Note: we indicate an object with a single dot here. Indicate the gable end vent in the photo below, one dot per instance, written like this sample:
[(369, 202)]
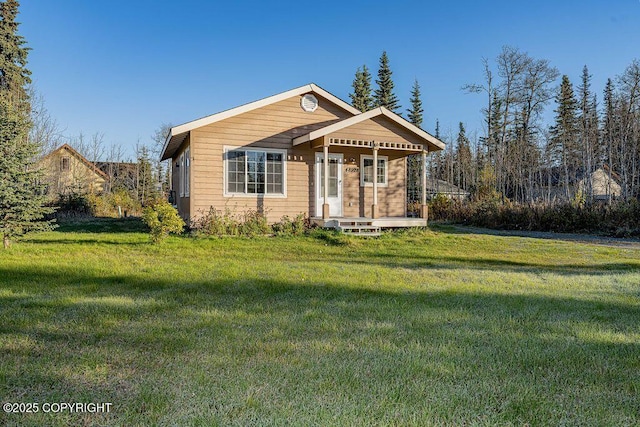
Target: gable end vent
[(309, 103)]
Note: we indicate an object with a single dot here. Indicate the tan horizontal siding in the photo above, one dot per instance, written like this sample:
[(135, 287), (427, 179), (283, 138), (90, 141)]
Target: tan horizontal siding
[(274, 126)]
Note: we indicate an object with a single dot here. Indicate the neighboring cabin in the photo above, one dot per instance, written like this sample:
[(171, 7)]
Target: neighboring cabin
[(601, 186), (67, 172), (301, 151), (450, 191)]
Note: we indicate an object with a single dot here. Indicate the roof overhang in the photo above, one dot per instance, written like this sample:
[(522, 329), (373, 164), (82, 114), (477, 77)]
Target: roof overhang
[(177, 134), (432, 143)]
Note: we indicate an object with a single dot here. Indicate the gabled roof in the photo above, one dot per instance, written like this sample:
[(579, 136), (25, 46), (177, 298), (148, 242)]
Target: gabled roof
[(177, 134), (80, 157), (376, 112)]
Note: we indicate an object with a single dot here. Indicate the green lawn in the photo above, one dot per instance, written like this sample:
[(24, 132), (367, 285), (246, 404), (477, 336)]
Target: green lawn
[(419, 328)]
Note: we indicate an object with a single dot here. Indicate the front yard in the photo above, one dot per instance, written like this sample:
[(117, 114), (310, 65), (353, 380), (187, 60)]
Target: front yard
[(416, 328)]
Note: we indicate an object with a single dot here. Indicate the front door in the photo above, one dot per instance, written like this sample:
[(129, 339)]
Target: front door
[(335, 184)]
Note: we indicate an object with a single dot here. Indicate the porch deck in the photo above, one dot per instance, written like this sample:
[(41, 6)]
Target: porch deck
[(369, 226)]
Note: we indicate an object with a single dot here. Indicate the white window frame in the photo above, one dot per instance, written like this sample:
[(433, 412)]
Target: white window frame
[(181, 173), (228, 148), (187, 172), (386, 171)]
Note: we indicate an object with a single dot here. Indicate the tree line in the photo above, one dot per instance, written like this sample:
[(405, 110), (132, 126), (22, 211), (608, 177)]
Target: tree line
[(517, 156)]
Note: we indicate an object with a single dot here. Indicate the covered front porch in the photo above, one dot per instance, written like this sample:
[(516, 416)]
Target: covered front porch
[(360, 170)]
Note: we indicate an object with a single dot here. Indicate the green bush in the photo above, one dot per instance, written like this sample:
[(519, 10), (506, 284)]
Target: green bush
[(215, 223), (224, 223), (619, 219), (254, 223), (295, 226), (115, 204), (162, 219)]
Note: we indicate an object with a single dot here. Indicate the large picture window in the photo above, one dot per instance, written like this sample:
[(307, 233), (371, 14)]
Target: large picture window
[(255, 171), (367, 170)]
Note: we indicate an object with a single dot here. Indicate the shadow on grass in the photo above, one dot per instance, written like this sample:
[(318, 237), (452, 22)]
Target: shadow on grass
[(627, 242), (102, 225), (478, 351), (442, 261), (91, 241)]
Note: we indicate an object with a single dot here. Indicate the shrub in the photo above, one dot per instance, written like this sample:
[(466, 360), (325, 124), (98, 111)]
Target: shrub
[(162, 219), (619, 219), (225, 223), (115, 204), (254, 223), (215, 223), (296, 226)]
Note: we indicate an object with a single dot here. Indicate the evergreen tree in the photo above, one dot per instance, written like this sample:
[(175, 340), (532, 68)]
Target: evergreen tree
[(609, 131), (21, 193), (415, 113), (563, 144), (414, 166), (462, 159), (384, 96), (361, 96), (588, 130), (147, 187)]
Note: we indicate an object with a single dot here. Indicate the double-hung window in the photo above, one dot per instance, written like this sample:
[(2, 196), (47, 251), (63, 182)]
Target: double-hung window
[(255, 171), (367, 171), (184, 165)]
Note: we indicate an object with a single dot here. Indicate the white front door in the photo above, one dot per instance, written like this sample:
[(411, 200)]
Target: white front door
[(335, 184)]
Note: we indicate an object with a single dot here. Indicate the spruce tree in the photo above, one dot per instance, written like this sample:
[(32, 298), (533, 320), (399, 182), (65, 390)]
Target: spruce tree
[(414, 166), (608, 131), (415, 112), (361, 96), (463, 160), (563, 146), (384, 96), (21, 190), (589, 136)]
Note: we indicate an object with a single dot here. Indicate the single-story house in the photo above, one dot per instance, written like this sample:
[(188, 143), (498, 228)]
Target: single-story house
[(300, 151), (68, 172), (601, 185), (602, 188)]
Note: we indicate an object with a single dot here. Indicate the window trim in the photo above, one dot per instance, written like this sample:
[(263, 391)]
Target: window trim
[(62, 163), (386, 171), (187, 171), (265, 150), (181, 173)]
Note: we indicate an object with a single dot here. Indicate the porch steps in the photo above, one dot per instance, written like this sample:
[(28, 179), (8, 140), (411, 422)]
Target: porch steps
[(358, 228)]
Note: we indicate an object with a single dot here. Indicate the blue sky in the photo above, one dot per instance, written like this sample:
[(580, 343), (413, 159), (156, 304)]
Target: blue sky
[(124, 67)]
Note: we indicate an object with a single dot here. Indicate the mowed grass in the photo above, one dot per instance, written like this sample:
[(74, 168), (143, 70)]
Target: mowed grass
[(417, 328)]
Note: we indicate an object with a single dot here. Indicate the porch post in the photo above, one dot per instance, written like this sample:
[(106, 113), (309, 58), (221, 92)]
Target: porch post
[(325, 165), (424, 208), (374, 207)]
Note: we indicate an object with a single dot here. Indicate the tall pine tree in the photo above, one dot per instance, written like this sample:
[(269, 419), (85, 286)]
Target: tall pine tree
[(609, 132), (588, 130), (414, 166), (361, 96), (415, 112), (563, 146), (384, 96), (21, 193)]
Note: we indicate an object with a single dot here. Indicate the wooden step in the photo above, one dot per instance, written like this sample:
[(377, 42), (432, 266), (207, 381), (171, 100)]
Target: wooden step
[(352, 223), (360, 230)]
